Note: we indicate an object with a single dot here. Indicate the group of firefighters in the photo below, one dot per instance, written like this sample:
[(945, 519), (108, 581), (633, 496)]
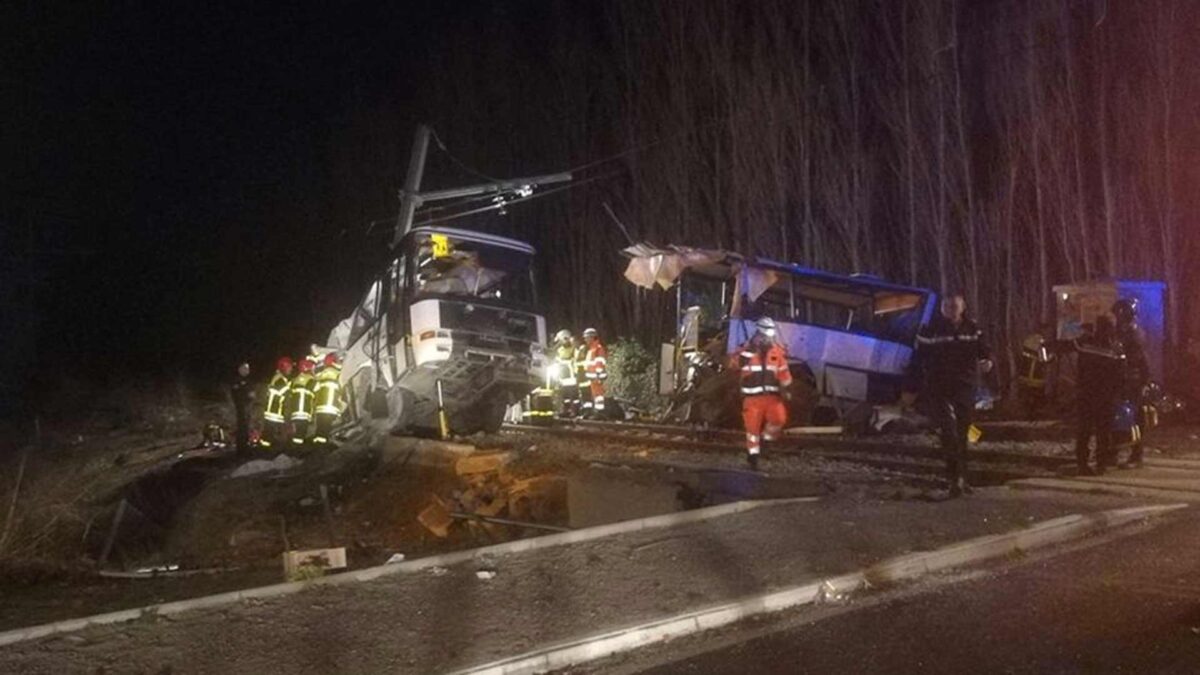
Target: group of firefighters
[(1113, 378), (576, 377), (303, 402)]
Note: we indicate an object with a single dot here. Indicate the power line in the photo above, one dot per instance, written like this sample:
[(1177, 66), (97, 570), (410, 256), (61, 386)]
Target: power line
[(462, 165), (518, 200)]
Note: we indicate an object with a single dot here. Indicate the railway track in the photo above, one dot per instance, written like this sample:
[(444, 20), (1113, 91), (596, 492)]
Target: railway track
[(900, 455)]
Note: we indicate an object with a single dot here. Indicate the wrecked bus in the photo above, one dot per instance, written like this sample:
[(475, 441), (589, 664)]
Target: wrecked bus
[(450, 325), (850, 337)]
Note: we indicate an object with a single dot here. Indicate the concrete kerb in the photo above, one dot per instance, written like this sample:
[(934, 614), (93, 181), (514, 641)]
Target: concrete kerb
[(370, 573), (909, 566), (1098, 487)]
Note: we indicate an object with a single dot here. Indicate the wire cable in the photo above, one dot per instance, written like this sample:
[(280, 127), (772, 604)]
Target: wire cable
[(518, 200)]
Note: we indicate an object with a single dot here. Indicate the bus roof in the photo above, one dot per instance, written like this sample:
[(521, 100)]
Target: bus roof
[(478, 237)]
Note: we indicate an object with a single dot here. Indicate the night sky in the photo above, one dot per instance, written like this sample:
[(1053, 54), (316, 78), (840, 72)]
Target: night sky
[(175, 169)]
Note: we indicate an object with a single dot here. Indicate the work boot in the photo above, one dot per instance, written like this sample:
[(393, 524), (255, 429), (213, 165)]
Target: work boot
[(752, 460), (1085, 470)]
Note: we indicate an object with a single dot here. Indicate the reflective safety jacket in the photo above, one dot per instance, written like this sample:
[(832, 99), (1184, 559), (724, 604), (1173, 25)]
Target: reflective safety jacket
[(564, 360), (300, 398), (1035, 361), (763, 369), (327, 389), (595, 363), (277, 392)]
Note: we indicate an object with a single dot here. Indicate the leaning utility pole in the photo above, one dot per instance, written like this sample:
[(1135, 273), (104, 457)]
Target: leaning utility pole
[(411, 197)]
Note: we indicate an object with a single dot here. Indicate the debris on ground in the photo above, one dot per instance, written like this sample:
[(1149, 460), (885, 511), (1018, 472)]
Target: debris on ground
[(257, 466), (486, 574), (300, 565), (490, 497)]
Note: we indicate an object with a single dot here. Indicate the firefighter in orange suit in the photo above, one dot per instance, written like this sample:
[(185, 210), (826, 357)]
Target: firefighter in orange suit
[(595, 368), (763, 367)]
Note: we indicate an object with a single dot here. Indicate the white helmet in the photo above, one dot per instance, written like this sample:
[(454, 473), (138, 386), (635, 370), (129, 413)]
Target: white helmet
[(589, 332), (766, 326), (562, 335)]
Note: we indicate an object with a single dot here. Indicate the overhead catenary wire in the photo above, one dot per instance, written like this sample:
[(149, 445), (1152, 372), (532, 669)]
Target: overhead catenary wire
[(518, 200)]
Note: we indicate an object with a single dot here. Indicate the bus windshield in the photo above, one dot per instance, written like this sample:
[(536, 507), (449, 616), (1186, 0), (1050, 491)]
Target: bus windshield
[(446, 265)]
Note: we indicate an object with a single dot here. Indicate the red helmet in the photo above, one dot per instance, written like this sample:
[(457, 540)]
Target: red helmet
[(284, 364), (306, 365), (332, 360)]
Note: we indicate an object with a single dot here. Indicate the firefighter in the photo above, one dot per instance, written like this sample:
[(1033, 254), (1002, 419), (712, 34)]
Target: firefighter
[(1101, 365), (581, 380), (328, 397), (595, 367), (274, 419), (242, 393), (564, 368), (765, 380), (1136, 373), (300, 402), (1036, 358), (950, 353)]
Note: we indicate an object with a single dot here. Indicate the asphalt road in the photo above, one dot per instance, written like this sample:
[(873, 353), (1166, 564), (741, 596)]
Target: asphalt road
[(1126, 604)]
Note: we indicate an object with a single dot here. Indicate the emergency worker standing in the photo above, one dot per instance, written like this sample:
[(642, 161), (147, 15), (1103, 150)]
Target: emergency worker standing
[(564, 367), (300, 402), (274, 415), (950, 352), (1098, 391), (595, 366), (1136, 371), (328, 396), (242, 393), (765, 378)]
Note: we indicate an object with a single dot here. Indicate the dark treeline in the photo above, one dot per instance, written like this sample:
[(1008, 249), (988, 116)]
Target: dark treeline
[(993, 147)]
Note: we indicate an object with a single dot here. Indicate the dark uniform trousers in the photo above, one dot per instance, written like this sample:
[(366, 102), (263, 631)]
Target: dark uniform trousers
[(953, 411), (1095, 419)]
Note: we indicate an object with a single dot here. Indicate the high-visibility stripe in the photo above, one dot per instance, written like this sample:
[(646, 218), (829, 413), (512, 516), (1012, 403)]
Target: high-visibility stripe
[(298, 441), (264, 443), (320, 439), (765, 389), (748, 355), (328, 410), (752, 369), (301, 416), (1101, 352), (273, 417), (943, 339)]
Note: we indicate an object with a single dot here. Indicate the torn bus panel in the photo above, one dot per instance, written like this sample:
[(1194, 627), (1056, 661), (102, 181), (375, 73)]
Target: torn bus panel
[(850, 336)]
